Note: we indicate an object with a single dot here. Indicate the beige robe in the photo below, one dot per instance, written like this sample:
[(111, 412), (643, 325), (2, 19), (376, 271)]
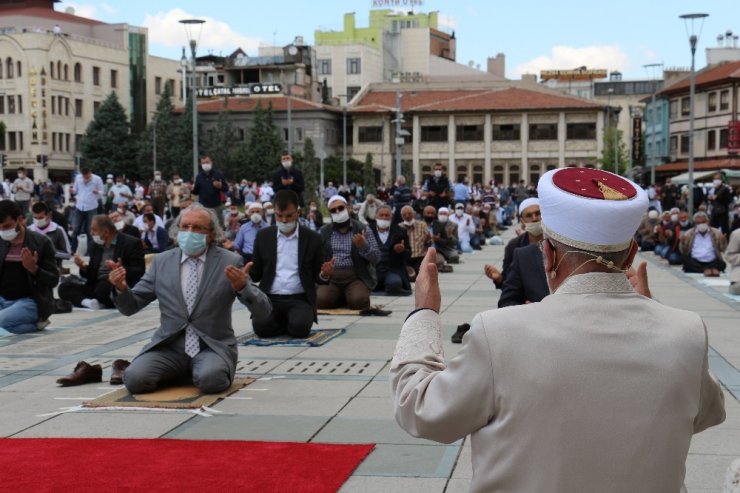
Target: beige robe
[(595, 388)]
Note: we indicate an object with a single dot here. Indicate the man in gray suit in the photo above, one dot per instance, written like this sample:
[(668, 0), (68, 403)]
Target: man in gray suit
[(196, 284)]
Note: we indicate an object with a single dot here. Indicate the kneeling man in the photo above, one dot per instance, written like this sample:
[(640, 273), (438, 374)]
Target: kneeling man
[(196, 284)]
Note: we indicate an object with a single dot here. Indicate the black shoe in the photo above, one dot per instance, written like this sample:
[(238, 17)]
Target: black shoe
[(458, 335)]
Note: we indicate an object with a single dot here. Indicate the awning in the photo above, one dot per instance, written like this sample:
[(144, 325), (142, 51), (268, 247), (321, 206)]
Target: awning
[(704, 175)]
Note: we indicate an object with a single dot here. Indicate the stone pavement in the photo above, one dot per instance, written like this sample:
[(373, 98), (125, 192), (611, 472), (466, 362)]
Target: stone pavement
[(335, 393)]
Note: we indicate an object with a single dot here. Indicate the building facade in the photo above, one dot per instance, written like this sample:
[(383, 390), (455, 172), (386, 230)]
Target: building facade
[(57, 68)]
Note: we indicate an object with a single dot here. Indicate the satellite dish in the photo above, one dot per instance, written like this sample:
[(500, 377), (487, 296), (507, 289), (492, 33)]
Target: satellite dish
[(69, 10), (292, 50)]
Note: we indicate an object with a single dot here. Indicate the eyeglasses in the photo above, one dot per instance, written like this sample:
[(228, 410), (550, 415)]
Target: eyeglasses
[(338, 208), (195, 227)]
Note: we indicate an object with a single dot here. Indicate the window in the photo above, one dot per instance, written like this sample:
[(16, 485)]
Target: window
[(15, 141), (78, 107), (684, 143), (325, 66), (298, 134), (434, 133), (96, 105), (114, 78), (170, 84), (78, 72), (543, 131), (66, 142), (2, 105), (581, 131), (53, 105), (66, 72), (723, 138), (96, 76), (1, 69), (9, 68), (352, 92), (712, 101), (11, 105), (157, 85), (354, 66), (66, 106), (370, 134), (408, 134), (469, 133), (673, 109), (685, 107), (711, 140), (506, 132), (724, 100), (20, 104), (674, 145), (18, 66), (241, 134)]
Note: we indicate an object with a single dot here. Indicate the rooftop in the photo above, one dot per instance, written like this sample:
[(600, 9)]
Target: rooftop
[(711, 75)]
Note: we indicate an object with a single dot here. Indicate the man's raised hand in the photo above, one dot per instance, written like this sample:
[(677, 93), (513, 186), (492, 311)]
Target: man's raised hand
[(238, 277)]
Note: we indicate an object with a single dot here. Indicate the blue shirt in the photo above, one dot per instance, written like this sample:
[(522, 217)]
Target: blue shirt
[(461, 191), (244, 241)]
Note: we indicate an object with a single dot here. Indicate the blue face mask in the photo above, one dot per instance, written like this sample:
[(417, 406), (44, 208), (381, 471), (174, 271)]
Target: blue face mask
[(192, 244)]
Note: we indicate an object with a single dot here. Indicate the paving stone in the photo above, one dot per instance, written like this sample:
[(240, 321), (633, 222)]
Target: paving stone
[(367, 430), (369, 484), (272, 428), (421, 461), (107, 425)]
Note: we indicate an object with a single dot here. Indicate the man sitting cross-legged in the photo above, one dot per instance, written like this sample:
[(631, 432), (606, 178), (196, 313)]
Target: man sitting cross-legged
[(196, 284), (288, 263)]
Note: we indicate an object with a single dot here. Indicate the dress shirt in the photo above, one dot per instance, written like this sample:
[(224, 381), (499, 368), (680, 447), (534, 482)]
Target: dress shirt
[(151, 235), (89, 193), (703, 249), (287, 280), (341, 246), (465, 226), (383, 235), (118, 191), (139, 222), (244, 241)]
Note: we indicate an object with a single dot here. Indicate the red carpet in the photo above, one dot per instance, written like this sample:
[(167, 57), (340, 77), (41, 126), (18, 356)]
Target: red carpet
[(135, 465)]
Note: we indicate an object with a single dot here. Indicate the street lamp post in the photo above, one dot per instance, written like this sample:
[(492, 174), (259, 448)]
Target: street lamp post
[(653, 116), (192, 30), (154, 143), (184, 68), (399, 137), (693, 39), (344, 145), (617, 111)]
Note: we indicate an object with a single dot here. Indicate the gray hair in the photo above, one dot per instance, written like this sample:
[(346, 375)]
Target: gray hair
[(197, 206), (701, 214), (383, 206)]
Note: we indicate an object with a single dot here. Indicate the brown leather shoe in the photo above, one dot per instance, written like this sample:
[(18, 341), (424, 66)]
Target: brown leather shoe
[(118, 367), (84, 373)]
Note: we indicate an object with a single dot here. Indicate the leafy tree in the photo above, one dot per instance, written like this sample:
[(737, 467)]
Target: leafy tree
[(107, 146), (607, 160), (169, 150), (219, 144), (310, 171), (182, 144), (368, 175), (333, 170), (260, 154)]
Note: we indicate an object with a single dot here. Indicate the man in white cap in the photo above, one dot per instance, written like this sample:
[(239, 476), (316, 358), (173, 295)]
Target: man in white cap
[(353, 253), (244, 242), (595, 388)]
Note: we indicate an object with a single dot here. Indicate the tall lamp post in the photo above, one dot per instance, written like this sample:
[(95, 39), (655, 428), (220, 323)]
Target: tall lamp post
[(344, 139), (192, 30), (184, 68), (652, 67), (154, 143), (689, 20), (617, 111)]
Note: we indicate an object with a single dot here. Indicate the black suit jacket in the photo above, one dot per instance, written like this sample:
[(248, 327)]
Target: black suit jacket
[(297, 186), (525, 279), (310, 258), (128, 249)]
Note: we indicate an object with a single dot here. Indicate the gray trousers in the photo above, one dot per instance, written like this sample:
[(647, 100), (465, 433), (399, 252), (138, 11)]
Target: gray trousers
[(170, 364)]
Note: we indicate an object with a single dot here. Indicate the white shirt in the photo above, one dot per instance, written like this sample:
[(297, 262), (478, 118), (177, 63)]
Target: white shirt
[(139, 222), (287, 280), (150, 235), (118, 190), (266, 193), (88, 194), (465, 226), (185, 270), (383, 235), (703, 249)]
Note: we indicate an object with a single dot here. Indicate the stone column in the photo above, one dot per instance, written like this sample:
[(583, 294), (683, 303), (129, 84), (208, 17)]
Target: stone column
[(451, 138), (415, 145), (487, 141), (562, 131), (524, 167)]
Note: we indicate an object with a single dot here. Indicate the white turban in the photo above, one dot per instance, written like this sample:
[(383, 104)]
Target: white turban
[(335, 198), (528, 203)]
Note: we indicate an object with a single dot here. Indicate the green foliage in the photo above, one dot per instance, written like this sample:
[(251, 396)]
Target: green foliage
[(107, 146), (310, 171), (368, 175), (219, 144), (260, 154), (606, 161), (333, 170), (169, 149)]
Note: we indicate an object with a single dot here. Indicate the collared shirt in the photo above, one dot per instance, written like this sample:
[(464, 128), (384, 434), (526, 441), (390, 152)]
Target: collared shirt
[(244, 241), (383, 235), (139, 222), (88, 193), (108, 253), (118, 190), (150, 235), (703, 249), (465, 226), (185, 270), (341, 246), (287, 279), (417, 233)]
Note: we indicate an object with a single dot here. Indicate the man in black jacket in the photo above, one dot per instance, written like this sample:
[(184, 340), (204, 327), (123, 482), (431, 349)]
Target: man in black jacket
[(438, 188), (287, 177), (209, 185), (107, 245), (28, 273), (287, 262), (525, 279), (395, 252)]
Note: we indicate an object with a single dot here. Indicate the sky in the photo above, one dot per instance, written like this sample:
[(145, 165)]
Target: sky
[(535, 35)]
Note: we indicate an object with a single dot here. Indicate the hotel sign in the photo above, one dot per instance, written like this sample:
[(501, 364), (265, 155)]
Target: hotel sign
[(382, 4), (577, 74), (212, 92)]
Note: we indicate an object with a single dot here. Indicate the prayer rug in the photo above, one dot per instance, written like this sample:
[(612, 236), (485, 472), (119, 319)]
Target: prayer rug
[(93, 464), (376, 310), (176, 397), (315, 338)]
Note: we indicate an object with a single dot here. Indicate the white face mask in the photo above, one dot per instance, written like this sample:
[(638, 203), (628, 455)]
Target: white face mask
[(383, 223), (109, 180), (9, 234), (157, 177), (287, 164), (41, 223), (717, 183), (459, 212), (98, 240), (535, 229), (410, 222), (286, 227), (438, 173), (702, 228), (178, 181), (120, 225), (207, 167), (256, 218), (674, 218), (340, 217), (122, 210), (442, 218), (269, 212)]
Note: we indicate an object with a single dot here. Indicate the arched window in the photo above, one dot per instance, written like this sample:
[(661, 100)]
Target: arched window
[(52, 71), (78, 72), (18, 65), (66, 72), (9, 68), (1, 69), (59, 69)]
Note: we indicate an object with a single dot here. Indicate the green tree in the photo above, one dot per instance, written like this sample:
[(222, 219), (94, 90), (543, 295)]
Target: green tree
[(219, 144), (107, 146), (333, 170), (260, 154), (182, 144), (310, 171), (169, 151), (368, 175), (608, 155)]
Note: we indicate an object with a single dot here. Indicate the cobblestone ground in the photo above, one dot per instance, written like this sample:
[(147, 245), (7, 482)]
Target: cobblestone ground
[(296, 401)]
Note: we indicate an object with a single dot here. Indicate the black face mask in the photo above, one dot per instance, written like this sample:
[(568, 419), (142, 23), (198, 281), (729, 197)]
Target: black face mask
[(429, 219)]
